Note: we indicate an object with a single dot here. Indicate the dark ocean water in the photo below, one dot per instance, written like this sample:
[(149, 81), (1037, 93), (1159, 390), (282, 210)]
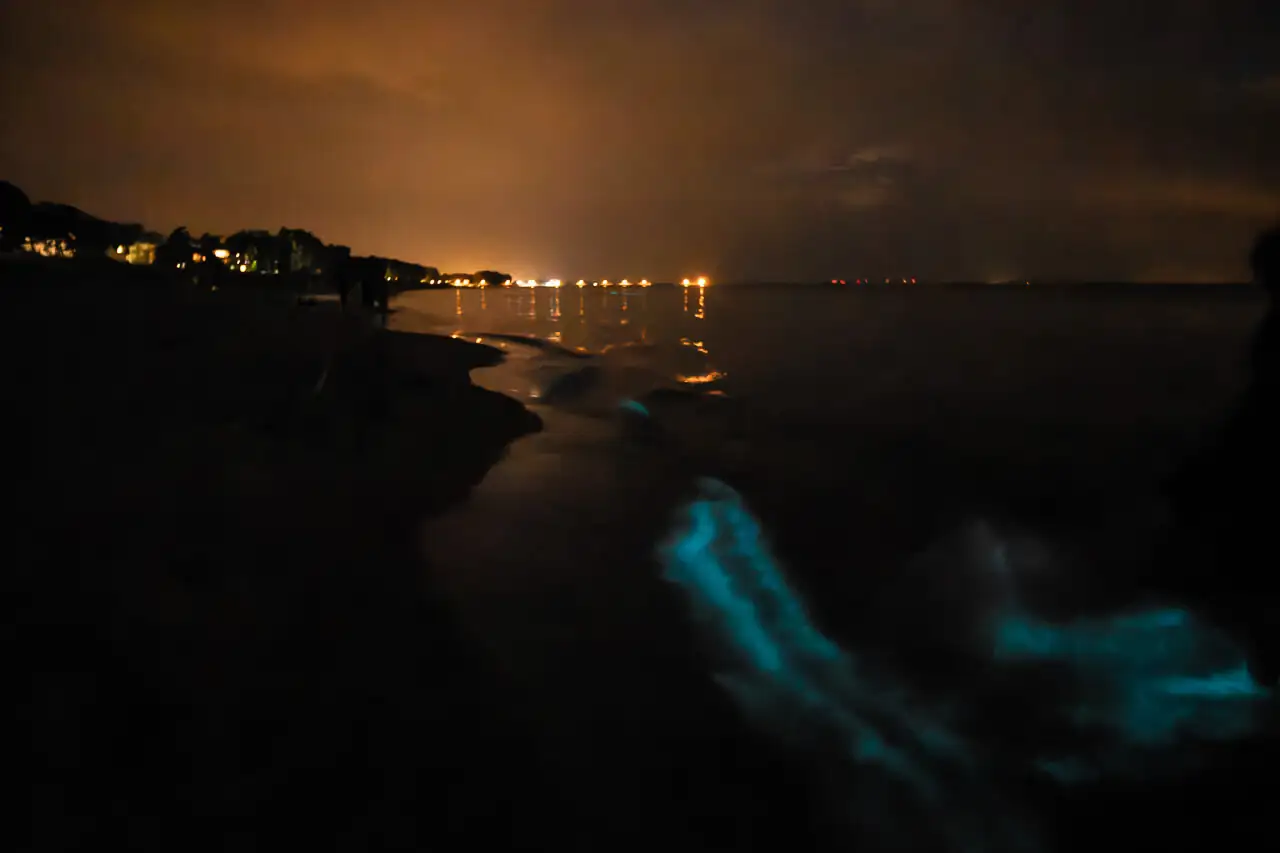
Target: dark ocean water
[(857, 566)]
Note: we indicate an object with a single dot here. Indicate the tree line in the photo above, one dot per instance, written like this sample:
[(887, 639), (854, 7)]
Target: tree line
[(64, 231)]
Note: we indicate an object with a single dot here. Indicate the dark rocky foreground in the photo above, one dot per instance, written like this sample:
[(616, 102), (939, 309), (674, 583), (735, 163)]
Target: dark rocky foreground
[(223, 639)]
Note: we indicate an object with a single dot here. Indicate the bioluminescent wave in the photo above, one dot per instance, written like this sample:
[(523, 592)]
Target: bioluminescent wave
[(797, 684), (1141, 683), (1134, 687), (635, 407)]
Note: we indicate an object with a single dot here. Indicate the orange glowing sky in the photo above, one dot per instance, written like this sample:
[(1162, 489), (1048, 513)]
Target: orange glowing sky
[(750, 139)]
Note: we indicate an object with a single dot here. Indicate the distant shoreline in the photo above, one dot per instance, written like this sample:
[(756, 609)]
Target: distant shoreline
[(252, 371)]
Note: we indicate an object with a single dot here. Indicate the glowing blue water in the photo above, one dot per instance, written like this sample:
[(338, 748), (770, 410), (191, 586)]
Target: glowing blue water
[(635, 407), (800, 686), (1137, 684), (1140, 684)]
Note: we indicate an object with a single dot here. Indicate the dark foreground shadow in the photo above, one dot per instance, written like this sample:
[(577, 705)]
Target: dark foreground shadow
[(224, 636), (1223, 550)]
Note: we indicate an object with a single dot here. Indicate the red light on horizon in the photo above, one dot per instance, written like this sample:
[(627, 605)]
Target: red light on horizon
[(913, 281), (842, 281)]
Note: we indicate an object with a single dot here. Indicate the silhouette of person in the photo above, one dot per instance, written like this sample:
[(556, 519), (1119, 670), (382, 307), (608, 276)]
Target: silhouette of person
[(1264, 358), (1221, 495), (377, 290), (342, 276)]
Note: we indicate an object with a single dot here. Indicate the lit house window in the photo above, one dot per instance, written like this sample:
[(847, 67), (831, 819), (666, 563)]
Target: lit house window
[(49, 248)]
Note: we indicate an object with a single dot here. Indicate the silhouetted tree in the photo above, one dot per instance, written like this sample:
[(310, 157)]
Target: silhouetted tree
[(300, 250), (89, 235), (339, 263), (124, 234), (491, 277), (1220, 494), (176, 249), (251, 247), (15, 214), (1265, 355)]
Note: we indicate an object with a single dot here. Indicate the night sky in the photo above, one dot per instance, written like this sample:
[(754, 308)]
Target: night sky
[(760, 139)]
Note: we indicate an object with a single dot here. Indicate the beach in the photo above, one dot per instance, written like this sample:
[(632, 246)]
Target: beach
[(223, 618), (291, 577)]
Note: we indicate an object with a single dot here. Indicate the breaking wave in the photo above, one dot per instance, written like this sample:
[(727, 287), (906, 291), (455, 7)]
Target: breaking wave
[(1132, 693)]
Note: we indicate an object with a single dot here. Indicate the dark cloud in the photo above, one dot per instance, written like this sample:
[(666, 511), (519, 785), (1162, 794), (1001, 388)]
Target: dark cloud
[(966, 138)]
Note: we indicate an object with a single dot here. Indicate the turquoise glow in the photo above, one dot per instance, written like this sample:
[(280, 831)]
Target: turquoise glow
[(798, 685), (634, 406), (1142, 683), (1136, 688)]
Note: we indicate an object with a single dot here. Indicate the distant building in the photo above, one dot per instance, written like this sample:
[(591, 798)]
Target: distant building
[(51, 247), (140, 252)]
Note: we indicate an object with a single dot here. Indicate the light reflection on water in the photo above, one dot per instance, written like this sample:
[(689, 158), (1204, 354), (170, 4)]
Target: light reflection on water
[(910, 386), (951, 376), (601, 317), (619, 344), (658, 330)]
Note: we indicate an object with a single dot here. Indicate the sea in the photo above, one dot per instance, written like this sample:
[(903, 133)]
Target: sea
[(859, 567)]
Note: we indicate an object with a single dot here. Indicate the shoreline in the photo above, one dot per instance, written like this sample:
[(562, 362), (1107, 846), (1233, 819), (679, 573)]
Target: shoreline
[(227, 623)]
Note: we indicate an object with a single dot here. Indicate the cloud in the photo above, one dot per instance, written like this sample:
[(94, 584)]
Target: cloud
[(565, 133), (1130, 194), (871, 156), (865, 196)]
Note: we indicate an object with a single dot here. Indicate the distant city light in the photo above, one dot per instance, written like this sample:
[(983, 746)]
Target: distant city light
[(244, 268), (686, 282), (702, 281), (701, 379), (119, 250), (221, 254)]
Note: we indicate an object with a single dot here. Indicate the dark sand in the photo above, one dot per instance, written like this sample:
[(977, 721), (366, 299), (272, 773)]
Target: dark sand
[(224, 638)]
